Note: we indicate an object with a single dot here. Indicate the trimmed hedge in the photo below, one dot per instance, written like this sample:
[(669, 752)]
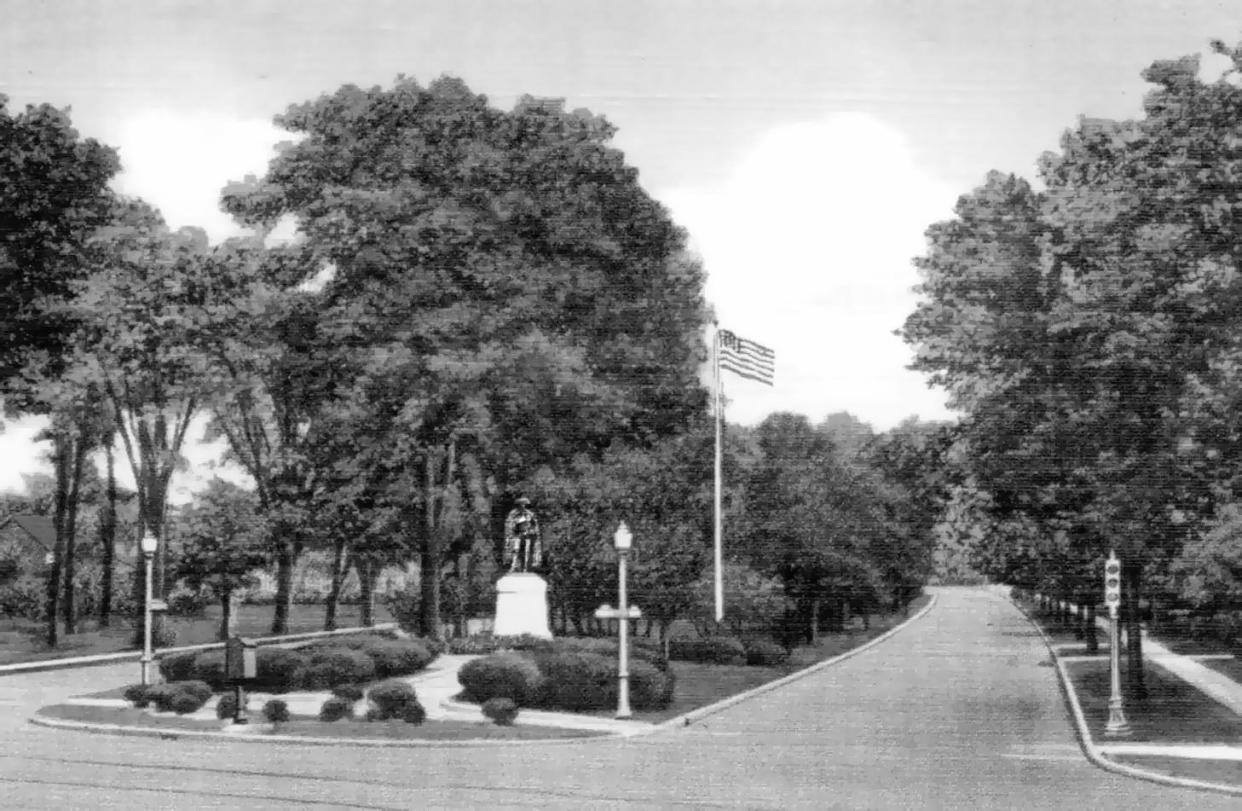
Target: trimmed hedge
[(395, 699), (764, 653), (502, 711), (650, 687), (136, 694), (501, 675), (278, 670), (335, 708), (276, 711), (181, 697), (349, 692), (331, 667), (719, 650), (178, 666), (578, 681), (226, 707)]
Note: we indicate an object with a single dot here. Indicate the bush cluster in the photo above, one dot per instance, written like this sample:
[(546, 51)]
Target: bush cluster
[(226, 707), (330, 664), (181, 697), (486, 643), (717, 650), (567, 677)]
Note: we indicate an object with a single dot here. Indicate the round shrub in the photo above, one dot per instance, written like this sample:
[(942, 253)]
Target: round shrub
[(413, 713), (334, 666), (209, 667), (276, 711), (501, 675), (226, 707), (178, 666), (578, 681), (160, 696), (392, 657), (719, 650), (372, 714), (650, 687), (501, 710), (473, 645), (278, 670), (348, 692), (199, 689), (392, 699), (764, 653), (136, 694), (184, 703), (335, 708)]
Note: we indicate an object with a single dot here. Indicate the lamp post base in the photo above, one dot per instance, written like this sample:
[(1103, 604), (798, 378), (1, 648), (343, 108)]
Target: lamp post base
[(1117, 726)]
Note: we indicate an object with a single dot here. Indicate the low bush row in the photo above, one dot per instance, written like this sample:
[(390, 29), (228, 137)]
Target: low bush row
[(389, 700), (322, 665), (181, 697), (727, 650), (563, 679)]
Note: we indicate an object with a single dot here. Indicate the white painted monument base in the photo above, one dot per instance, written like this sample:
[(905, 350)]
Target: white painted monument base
[(522, 606)]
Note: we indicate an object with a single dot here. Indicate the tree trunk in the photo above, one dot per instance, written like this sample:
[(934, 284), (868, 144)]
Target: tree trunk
[(429, 549), (813, 626), (71, 534), (340, 567), (228, 618), (1089, 629), (1132, 576), (366, 586), (61, 465), (284, 585), (107, 536)]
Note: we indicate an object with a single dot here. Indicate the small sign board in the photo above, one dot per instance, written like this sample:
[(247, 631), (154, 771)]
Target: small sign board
[(159, 605), (607, 612)]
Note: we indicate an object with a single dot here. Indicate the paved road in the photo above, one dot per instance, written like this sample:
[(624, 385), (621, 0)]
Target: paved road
[(955, 711)]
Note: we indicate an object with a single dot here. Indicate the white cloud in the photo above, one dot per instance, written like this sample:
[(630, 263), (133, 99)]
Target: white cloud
[(807, 249), (179, 163)]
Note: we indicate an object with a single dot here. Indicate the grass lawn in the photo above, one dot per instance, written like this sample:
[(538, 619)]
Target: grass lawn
[(1173, 712), (126, 716), (700, 685), (1229, 667), (21, 641), (1227, 772)]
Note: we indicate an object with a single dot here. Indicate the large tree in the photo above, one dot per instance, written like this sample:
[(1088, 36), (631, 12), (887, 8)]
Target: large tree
[(504, 290)]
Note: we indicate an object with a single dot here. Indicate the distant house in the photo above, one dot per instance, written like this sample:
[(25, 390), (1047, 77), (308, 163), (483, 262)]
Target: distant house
[(29, 540)]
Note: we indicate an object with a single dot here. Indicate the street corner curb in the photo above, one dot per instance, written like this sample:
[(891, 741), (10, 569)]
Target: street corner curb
[(297, 740), (1089, 749), (691, 717), (461, 707)]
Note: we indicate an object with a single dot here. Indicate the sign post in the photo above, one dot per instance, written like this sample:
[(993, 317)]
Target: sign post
[(1117, 725)]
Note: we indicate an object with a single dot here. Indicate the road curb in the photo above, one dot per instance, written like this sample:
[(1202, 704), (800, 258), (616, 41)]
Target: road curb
[(134, 655), (297, 740), (1087, 743), (691, 717)]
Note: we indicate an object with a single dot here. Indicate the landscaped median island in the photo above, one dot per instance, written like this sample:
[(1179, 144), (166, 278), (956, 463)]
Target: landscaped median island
[(1173, 713), (373, 686)]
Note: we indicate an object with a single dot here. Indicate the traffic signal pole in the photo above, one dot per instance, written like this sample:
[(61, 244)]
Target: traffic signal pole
[(1117, 725)]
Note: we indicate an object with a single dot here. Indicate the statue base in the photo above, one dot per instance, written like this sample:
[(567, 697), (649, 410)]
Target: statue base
[(522, 606)]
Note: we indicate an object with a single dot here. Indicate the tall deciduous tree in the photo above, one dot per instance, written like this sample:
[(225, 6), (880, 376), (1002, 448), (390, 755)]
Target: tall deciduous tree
[(504, 289)]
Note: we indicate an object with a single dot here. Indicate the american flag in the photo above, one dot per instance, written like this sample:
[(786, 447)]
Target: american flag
[(746, 358)]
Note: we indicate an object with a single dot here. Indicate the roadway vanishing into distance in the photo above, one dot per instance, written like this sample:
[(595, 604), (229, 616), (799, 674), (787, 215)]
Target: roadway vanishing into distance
[(957, 710)]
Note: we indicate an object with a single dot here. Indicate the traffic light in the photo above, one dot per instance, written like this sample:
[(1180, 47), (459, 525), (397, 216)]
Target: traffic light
[(1112, 581)]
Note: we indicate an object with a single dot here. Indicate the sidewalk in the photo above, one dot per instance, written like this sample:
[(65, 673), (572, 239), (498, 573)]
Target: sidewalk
[(1211, 683)]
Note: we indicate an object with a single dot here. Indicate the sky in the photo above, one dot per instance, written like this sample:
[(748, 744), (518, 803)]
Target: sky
[(805, 145)]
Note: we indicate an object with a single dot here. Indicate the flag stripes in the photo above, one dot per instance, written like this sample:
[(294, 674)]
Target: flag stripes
[(746, 358)]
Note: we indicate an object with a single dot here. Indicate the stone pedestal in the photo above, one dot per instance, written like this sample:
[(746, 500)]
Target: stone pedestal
[(522, 606)]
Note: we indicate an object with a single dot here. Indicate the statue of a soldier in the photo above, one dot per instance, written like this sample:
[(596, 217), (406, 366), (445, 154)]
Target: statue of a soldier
[(523, 548)]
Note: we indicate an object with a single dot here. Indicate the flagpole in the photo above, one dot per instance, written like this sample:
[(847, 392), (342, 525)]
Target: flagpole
[(719, 520)]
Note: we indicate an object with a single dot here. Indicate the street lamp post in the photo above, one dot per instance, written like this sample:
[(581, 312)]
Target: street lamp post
[(149, 544), (1117, 725), (622, 540)]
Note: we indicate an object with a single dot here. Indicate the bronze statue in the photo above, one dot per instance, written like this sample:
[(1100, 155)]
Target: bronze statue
[(523, 548)]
